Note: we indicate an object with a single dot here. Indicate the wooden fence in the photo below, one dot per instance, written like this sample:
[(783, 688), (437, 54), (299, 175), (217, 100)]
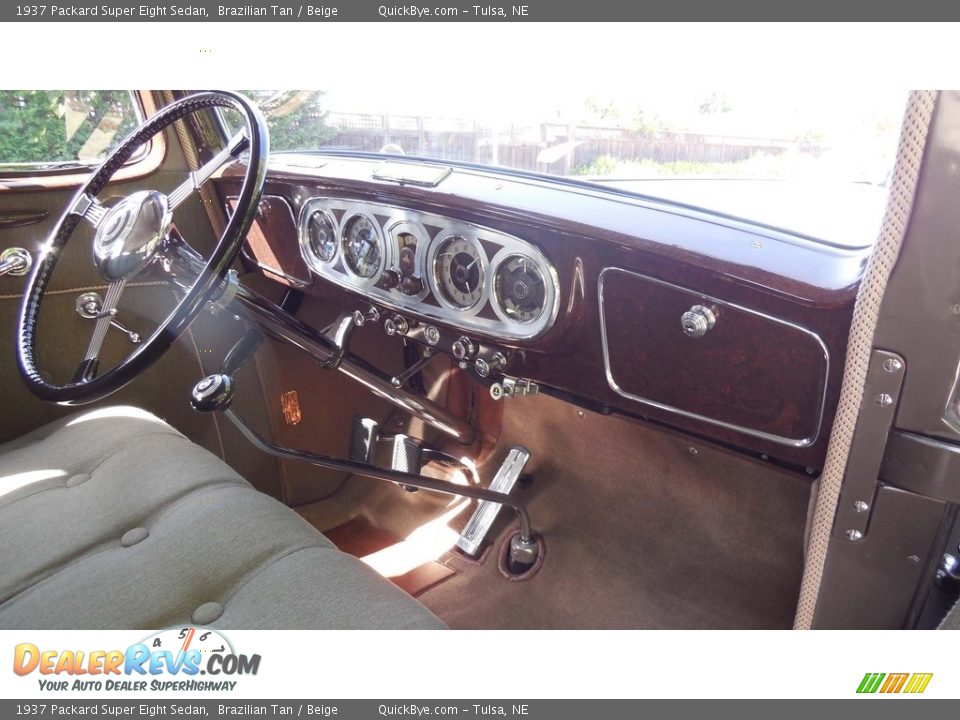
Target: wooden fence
[(547, 147)]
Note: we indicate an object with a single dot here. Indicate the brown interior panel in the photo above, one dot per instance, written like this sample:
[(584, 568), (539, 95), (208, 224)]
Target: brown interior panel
[(280, 255), (750, 370)]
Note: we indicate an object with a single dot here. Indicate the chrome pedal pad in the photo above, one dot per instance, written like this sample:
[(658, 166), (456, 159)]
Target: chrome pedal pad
[(407, 455), (483, 517), (363, 437)]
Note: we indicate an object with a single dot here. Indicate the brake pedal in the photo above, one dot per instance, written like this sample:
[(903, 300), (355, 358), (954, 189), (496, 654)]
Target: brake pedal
[(483, 517)]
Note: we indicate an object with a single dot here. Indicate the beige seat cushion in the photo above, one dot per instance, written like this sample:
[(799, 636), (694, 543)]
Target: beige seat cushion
[(113, 519)]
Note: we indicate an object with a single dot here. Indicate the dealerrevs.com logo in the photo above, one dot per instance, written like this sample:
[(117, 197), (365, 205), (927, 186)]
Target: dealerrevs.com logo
[(173, 659), (893, 683)]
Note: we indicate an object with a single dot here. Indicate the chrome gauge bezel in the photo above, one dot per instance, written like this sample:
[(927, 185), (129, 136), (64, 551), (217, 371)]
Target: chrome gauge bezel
[(550, 281), (309, 255), (381, 245), (430, 304), (436, 287)]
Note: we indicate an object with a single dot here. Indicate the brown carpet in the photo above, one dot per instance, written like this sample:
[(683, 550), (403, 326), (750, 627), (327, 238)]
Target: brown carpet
[(360, 538), (644, 529)]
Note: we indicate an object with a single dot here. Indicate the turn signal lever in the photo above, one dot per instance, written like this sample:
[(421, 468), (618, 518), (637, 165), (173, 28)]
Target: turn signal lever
[(89, 306)]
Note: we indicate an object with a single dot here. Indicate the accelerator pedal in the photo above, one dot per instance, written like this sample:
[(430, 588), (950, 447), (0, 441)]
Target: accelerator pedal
[(483, 517)]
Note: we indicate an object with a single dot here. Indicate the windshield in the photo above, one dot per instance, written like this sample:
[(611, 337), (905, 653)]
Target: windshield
[(666, 143)]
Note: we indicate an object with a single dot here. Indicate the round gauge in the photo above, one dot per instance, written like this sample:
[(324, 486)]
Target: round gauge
[(362, 246), (519, 289), (458, 271), (322, 236)]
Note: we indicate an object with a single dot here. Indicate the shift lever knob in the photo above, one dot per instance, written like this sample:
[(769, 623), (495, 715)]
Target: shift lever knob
[(212, 394)]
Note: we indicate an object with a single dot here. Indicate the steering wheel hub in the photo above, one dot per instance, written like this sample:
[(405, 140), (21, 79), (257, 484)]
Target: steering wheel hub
[(129, 235)]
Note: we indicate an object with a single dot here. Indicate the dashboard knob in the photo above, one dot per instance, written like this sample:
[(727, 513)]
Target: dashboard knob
[(397, 325), (411, 285), (389, 279), (463, 348), (360, 317), (431, 334), (697, 321), (484, 367)]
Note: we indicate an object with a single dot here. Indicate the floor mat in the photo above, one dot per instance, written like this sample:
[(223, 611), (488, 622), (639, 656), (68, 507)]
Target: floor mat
[(361, 538), (645, 529)]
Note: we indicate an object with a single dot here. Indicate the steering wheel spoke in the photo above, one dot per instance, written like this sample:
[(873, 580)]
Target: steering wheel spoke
[(87, 369), (89, 209), (237, 144)]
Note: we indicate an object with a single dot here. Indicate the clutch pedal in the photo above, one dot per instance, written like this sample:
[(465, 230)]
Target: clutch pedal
[(483, 517), (406, 453), (363, 436)]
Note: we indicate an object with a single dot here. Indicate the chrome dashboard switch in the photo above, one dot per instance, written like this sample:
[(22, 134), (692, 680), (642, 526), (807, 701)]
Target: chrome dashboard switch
[(361, 317), (485, 367), (397, 325), (431, 334), (697, 321), (463, 348)]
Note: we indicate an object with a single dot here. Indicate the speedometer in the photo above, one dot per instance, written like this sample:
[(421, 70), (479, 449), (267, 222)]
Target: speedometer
[(362, 246), (458, 272)]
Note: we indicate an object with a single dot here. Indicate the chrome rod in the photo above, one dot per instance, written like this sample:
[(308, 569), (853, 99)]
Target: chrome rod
[(282, 326), (400, 380), (395, 476)]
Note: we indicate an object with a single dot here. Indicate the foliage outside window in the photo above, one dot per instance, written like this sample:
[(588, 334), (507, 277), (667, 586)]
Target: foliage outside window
[(50, 128)]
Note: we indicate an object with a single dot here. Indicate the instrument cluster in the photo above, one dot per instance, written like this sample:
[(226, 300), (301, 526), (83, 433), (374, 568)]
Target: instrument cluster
[(447, 270)]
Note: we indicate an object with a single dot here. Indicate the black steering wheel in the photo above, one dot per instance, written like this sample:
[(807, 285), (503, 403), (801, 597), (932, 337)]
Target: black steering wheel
[(136, 233)]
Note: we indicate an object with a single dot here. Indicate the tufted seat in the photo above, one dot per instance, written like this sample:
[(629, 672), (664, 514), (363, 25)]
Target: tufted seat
[(113, 519)]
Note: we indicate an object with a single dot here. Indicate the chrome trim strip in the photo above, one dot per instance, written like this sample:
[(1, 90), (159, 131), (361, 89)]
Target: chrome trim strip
[(780, 440), (468, 320)]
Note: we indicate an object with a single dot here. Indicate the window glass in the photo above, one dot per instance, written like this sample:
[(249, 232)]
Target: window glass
[(54, 128), (813, 160)]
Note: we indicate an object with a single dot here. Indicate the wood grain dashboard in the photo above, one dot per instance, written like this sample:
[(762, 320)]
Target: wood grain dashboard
[(764, 378)]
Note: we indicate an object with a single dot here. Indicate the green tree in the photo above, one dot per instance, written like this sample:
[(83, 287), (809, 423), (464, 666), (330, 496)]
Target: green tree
[(59, 125), (297, 119)]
